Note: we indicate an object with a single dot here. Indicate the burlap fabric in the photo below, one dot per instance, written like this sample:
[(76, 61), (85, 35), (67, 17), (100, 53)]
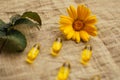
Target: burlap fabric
[(106, 53)]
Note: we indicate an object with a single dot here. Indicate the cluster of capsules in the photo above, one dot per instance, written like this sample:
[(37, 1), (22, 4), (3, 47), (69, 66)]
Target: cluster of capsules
[(34, 51), (85, 55), (64, 70), (56, 47)]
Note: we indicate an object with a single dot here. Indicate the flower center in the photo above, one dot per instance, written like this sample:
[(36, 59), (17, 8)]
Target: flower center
[(77, 25)]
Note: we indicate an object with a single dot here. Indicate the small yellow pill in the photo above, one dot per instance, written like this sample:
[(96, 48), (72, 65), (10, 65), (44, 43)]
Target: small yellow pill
[(64, 71), (33, 53), (86, 54), (56, 47)]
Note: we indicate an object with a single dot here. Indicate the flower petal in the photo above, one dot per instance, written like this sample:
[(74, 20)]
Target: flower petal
[(72, 12), (65, 21), (74, 36), (90, 28), (66, 17), (67, 30), (92, 33), (70, 34), (77, 37), (62, 27), (84, 36), (83, 12), (91, 20)]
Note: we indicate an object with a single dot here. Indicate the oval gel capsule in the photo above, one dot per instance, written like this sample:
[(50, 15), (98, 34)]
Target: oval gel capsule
[(33, 53), (64, 71), (56, 47), (86, 54)]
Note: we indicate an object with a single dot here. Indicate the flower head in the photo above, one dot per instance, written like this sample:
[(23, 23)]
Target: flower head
[(80, 24)]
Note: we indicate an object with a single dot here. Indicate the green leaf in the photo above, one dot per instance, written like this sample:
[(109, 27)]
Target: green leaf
[(2, 28), (24, 21), (14, 18), (2, 34), (2, 23), (32, 15), (16, 40)]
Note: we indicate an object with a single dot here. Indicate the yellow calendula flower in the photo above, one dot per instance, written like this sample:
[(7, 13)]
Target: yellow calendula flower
[(80, 24)]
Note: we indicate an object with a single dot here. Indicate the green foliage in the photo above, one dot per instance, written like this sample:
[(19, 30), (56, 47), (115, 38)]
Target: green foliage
[(14, 37), (24, 21), (32, 15), (2, 28)]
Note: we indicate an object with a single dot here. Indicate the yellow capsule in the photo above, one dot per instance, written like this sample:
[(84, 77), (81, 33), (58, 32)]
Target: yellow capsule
[(64, 71), (56, 47), (86, 54), (33, 53)]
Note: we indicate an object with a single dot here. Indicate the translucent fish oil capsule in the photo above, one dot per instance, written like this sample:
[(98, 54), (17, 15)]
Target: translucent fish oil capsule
[(56, 47), (64, 71), (33, 53), (86, 54)]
